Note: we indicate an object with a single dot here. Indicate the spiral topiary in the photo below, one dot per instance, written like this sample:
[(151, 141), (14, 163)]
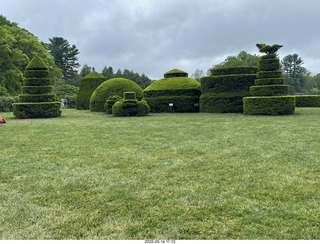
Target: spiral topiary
[(175, 89), (37, 99), (112, 87)]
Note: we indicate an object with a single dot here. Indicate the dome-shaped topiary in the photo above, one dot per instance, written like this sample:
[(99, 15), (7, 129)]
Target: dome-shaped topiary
[(88, 84), (176, 89), (112, 87)]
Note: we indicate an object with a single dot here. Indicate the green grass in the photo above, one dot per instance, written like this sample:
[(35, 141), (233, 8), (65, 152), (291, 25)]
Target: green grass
[(89, 175)]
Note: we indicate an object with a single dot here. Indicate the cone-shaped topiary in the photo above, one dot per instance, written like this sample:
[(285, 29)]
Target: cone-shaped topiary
[(87, 87), (37, 99), (269, 95), (112, 87), (223, 91), (175, 89)]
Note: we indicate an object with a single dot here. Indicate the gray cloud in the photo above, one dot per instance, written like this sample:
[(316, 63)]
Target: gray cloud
[(154, 36)]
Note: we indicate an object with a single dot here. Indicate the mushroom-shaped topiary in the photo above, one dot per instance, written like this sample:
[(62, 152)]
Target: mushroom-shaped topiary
[(112, 87), (87, 87), (37, 99), (175, 89)]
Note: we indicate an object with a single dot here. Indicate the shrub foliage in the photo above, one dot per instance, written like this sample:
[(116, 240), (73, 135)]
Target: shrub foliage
[(307, 100), (37, 99)]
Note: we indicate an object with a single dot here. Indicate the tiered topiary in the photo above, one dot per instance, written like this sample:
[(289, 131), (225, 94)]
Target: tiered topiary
[(223, 91), (112, 87), (269, 95), (37, 99), (175, 92), (87, 87), (130, 106)]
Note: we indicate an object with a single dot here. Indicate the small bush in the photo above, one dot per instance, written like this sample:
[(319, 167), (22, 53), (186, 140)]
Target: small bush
[(110, 102), (6, 103), (273, 105), (307, 100), (130, 106), (269, 90)]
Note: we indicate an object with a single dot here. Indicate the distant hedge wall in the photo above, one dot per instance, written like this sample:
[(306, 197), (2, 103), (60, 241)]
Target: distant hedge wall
[(112, 87), (87, 87), (307, 100)]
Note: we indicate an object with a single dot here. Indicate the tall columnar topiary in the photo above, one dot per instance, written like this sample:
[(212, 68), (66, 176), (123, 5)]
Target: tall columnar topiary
[(175, 92), (37, 99), (224, 89), (112, 87), (87, 87), (269, 95)]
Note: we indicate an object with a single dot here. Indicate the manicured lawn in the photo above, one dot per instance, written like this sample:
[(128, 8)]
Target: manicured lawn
[(89, 175)]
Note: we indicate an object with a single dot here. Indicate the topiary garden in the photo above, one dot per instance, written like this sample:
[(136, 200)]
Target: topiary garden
[(37, 99), (224, 89), (269, 95), (112, 87), (88, 84), (175, 92)]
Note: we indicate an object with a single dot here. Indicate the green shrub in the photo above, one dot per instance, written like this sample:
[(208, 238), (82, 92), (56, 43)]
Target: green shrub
[(37, 100), (6, 103), (180, 104), (233, 70), (271, 64), (37, 110), (227, 83), (307, 100), (87, 87), (272, 105), (224, 102), (130, 106), (175, 73), (269, 90), (112, 87), (37, 89), (4, 92), (269, 74), (110, 102), (269, 81)]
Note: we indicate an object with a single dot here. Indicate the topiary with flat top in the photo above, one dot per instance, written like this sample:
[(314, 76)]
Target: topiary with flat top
[(37, 99), (176, 89), (87, 87), (112, 87)]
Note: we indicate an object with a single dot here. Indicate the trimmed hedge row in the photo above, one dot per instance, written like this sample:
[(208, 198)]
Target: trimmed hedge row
[(269, 81), (180, 104), (37, 99), (87, 87), (269, 90), (112, 87), (130, 106), (307, 100), (233, 70), (37, 110), (272, 105)]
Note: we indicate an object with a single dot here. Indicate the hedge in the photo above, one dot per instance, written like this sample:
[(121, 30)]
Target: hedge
[(273, 105), (88, 84), (37, 110), (269, 81), (233, 70), (112, 87), (130, 106), (307, 100), (271, 64), (224, 102), (269, 74), (174, 88), (269, 90), (38, 99), (227, 83)]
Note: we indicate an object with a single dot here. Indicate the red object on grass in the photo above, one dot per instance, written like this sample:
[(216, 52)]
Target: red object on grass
[(2, 121)]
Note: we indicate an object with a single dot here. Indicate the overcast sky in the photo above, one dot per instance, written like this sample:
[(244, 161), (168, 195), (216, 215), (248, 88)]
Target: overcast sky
[(155, 36)]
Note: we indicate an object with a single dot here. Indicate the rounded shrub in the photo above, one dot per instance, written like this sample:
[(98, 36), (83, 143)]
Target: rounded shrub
[(37, 99), (88, 84), (223, 92), (110, 102), (112, 87), (175, 92), (130, 106)]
